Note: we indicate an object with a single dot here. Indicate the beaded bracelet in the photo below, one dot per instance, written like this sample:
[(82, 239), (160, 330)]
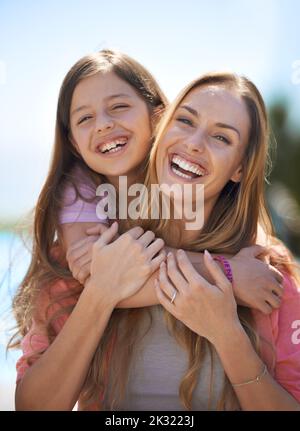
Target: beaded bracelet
[(226, 265), (257, 378)]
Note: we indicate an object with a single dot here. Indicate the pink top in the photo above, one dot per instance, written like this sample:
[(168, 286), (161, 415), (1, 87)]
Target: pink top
[(78, 210), (281, 329)]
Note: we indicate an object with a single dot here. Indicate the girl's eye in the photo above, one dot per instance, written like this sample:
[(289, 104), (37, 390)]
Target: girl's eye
[(83, 119), (222, 139), (185, 121)]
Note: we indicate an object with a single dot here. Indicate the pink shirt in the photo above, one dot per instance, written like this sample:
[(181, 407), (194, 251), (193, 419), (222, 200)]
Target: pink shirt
[(281, 329), (78, 210)]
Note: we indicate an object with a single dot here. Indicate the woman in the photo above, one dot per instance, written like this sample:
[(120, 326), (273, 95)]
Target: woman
[(219, 126)]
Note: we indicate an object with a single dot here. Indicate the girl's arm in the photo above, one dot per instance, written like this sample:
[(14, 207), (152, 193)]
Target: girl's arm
[(55, 380)]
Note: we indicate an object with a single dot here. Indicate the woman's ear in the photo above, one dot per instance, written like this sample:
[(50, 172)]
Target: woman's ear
[(237, 176)]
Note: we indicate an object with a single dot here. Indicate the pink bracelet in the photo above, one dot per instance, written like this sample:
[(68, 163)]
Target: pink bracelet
[(226, 267)]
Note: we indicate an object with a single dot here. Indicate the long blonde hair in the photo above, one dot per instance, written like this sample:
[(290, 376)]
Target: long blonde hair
[(232, 225)]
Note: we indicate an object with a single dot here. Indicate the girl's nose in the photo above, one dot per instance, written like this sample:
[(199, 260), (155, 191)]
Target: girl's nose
[(104, 122)]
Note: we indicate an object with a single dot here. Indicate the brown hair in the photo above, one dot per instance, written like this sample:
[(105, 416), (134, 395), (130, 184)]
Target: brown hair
[(48, 261)]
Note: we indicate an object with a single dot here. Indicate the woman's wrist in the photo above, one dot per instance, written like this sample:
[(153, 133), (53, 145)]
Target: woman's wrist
[(233, 333)]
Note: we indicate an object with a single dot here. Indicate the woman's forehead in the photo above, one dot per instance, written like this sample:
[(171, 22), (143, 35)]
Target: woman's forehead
[(218, 102)]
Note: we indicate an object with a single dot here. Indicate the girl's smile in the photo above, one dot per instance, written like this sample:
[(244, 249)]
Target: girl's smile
[(110, 125)]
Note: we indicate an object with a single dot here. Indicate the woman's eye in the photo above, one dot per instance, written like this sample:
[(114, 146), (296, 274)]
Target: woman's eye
[(185, 121), (120, 106), (83, 119), (222, 138)]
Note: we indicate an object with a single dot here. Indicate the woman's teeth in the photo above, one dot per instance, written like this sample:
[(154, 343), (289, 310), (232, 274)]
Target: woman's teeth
[(182, 167), (113, 146), (181, 174)]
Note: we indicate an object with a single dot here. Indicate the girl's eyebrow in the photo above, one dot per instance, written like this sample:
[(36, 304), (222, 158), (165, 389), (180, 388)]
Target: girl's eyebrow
[(113, 96)]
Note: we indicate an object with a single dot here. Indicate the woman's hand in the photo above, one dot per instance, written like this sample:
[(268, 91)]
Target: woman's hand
[(120, 268), (256, 284), (79, 254), (210, 310)]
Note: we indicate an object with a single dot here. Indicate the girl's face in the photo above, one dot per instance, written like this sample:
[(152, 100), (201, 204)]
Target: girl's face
[(110, 125), (205, 141)]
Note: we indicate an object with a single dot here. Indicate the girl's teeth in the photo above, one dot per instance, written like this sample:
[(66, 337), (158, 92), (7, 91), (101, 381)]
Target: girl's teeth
[(113, 145)]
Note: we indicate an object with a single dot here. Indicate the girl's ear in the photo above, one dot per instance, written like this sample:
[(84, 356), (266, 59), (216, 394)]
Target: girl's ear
[(237, 176)]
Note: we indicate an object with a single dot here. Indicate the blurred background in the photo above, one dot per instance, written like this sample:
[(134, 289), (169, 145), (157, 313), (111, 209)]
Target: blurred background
[(176, 41)]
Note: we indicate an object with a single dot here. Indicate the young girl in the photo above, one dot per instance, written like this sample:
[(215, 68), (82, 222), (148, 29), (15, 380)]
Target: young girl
[(217, 125), (103, 99)]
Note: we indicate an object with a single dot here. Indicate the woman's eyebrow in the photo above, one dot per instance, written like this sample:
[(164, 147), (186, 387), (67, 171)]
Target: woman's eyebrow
[(191, 110), (227, 126), (222, 125)]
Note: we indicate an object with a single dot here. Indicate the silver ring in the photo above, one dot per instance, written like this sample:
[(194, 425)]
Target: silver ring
[(174, 296)]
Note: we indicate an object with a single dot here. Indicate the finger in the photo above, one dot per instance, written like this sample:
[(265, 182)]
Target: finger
[(164, 282), (107, 236), (79, 244), (216, 272), (174, 274), (273, 300), (266, 308), (156, 262), (155, 247), (188, 271), (146, 238), (277, 274), (135, 232), (99, 229), (74, 255), (163, 299), (83, 274), (276, 288)]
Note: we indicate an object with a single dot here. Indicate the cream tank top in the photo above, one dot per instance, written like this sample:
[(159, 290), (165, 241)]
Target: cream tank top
[(157, 368)]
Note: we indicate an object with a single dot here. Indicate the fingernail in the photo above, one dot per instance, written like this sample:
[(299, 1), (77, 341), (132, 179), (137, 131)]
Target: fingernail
[(162, 264), (180, 252), (169, 254), (208, 255)]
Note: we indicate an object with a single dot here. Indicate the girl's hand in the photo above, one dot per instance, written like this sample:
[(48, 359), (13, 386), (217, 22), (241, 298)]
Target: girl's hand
[(210, 310), (256, 284), (120, 268), (79, 254)]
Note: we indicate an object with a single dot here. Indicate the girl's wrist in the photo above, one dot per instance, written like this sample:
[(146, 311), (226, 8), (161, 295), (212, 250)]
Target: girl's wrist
[(95, 296)]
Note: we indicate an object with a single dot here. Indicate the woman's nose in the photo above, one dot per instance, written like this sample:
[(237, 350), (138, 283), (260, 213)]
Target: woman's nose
[(196, 142)]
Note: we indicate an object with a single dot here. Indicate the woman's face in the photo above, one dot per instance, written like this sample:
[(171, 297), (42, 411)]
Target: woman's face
[(205, 141), (110, 125)]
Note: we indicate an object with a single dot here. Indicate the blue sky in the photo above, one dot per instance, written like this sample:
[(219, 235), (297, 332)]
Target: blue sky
[(176, 40)]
